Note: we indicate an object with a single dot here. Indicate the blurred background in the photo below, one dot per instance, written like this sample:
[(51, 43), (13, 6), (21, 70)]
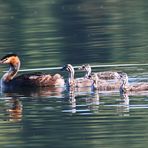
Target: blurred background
[(54, 32)]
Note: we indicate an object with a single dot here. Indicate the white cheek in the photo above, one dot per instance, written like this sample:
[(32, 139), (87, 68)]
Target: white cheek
[(7, 61)]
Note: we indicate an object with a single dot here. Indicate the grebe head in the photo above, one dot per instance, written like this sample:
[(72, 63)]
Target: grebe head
[(14, 65), (87, 68), (11, 59), (68, 67)]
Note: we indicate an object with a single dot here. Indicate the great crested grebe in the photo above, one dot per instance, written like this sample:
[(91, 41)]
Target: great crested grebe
[(72, 82), (125, 87), (103, 85), (9, 79), (106, 75)]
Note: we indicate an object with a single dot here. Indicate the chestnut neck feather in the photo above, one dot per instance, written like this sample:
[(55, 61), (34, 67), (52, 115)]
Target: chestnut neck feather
[(13, 69)]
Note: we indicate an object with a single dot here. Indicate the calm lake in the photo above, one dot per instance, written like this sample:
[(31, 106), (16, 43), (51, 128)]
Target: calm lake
[(51, 33)]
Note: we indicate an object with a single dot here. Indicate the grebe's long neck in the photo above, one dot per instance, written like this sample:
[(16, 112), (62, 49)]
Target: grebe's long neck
[(88, 72), (95, 81), (71, 75), (13, 69), (124, 85)]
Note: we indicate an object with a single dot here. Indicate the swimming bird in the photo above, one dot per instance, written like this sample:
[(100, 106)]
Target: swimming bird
[(126, 87), (10, 80), (106, 75), (103, 85), (72, 82)]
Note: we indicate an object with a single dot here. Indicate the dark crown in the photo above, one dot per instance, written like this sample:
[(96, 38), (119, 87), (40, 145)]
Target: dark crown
[(8, 56)]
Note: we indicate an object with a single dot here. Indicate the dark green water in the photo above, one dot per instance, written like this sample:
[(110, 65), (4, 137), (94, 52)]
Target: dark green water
[(50, 33)]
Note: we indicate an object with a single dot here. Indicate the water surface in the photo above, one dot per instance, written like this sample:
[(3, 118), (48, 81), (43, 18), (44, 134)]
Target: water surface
[(48, 34)]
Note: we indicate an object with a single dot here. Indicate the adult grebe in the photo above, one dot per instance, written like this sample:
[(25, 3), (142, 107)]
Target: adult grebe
[(125, 87), (35, 79), (72, 82), (106, 75)]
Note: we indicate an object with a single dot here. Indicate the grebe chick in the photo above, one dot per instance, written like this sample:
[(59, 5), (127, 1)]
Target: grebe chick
[(106, 75), (9, 79), (103, 85), (72, 82), (125, 87)]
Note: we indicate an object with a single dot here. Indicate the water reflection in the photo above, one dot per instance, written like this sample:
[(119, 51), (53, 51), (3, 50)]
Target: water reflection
[(36, 91), (123, 108), (70, 97), (90, 102), (93, 101), (15, 112), (74, 114), (13, 109)]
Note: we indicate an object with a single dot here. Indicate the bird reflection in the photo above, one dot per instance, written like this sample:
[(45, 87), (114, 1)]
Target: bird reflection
[(123, 107), (37, 92), (47, 91), (72, 101), (14, 109), (93, 101), (70, 98)]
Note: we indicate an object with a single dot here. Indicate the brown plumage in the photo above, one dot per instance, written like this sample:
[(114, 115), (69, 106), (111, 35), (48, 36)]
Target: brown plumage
[(104, 85), (106, 75), (72, 82), (126, 87), (9, 79)]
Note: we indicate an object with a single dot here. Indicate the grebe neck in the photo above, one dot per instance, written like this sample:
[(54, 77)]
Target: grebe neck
[(13, 69), (88, 73), (71, 76), (95, 81), (124, 85), (95, 84)]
